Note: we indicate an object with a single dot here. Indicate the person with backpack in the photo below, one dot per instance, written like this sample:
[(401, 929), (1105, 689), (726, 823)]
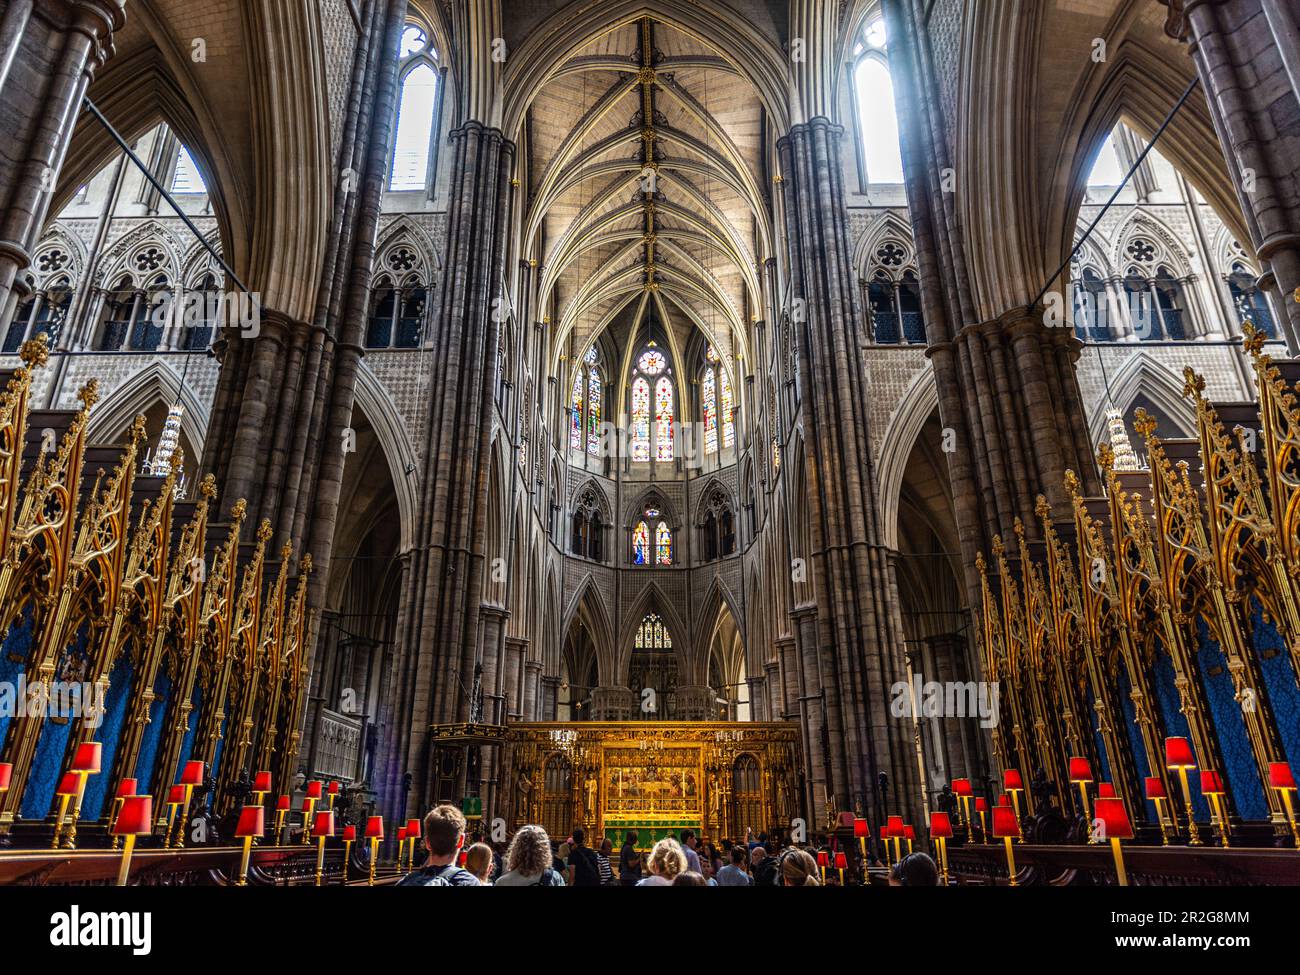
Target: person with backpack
[(528, 861), (444, 835), (584, 868), (629, 861)]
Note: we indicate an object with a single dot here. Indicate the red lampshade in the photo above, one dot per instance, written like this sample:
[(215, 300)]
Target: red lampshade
[(1080, 770), (1114, 817), (1105, 790), (176, 795), (1155, 788), (895, 827), (981, 804), (401, 834), (6, 775), (908, 832), (841, 861), (462, 858), (68, 784), (262, 782), (1178, 753), (314, 789), (860, 829), (1280, 776), (127, 787), (252, 821), (940, 825), (962, 787), (324, 825), (1004, 800), (334, 788), (1011, 779), (413, 829), (193, 774), (1004, 822), (135, 817), (87, 757), (349, 834), (823, 858), (306, 805), (375, 828), (283, 804), (1211, 782)]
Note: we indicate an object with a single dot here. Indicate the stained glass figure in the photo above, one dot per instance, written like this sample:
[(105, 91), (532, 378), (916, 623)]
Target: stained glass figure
[(663, 419), (663, 545), (641, 544), (641, 419)]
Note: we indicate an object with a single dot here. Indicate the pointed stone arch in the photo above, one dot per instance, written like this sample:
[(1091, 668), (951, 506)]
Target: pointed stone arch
[(117, 259), (1144, 375), (391, 429), (155, 383), (914, 409), (588, 605), (652, 599)]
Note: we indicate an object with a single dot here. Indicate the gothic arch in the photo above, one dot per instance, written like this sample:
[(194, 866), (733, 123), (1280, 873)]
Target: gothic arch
[(652, 599), (1143, 224), (889, 228), (588, 605), (391, 429), (119, 258), (1144, 375), (59, 252), (405, 229), (155, 383), (914, 409)]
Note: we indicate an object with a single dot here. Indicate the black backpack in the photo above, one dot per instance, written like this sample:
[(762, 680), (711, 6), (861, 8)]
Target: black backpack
[(586, 868)]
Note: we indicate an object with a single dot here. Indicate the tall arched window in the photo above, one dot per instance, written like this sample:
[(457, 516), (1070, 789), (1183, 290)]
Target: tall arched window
[(663, 545), (413, 147), (575, 418), (595, 393), (727, 408), (877, 120), (1249, 301), (664, 419), (641, 544), (709, 404), (640, 419)]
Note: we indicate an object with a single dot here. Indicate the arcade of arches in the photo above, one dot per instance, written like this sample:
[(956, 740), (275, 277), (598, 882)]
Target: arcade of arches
[(631, 367)]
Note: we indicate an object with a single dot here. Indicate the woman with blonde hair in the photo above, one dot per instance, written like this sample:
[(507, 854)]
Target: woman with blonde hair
[(798, 869), (528, 861), (479, 861), (666, 861)]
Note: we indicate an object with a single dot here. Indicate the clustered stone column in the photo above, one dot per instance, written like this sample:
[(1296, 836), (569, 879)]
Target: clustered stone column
[(1008, 395), (1247, 54), (849, 643), (49, 51), (438, 639)]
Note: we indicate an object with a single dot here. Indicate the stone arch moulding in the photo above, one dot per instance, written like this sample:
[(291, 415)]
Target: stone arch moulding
[(155, 383), (117, 261), (405, 229), (1143, 375), (1142, 224), (889, 227), (58, 238), (914, 409), (717, 596), (589, 603), (652, 599), (391, 431)]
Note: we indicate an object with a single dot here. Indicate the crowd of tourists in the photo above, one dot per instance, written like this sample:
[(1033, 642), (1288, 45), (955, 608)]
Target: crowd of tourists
[(534, 859)]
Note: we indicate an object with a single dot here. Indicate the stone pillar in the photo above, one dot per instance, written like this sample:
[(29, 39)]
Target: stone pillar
[(437, 633), (532, 690), (550, 692), (49, 51), (512, 673), (857, 627), (1247, 54)]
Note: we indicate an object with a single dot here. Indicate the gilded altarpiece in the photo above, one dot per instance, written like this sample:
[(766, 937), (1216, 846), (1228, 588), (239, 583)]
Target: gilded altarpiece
[(717, 778)]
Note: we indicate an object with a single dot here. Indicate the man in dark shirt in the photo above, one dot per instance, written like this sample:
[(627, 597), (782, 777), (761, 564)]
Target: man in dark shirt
[(629, 861), (584, 870), (444, 835)]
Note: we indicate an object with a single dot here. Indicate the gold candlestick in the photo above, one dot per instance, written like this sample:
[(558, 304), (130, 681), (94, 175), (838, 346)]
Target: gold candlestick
[(1011, 862), (1193, 834)]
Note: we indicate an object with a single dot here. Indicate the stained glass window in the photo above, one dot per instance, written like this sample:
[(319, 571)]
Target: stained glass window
[(593, 411), (664, 419), (709, 396), (414, 130), (652, 362), (575, 424), (726, 408), (590, 357), (640, 419), (663, 545), (652, 634), (641, 544)]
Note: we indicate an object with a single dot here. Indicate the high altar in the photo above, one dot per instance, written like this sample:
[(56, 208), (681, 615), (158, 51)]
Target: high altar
[(717, 778)]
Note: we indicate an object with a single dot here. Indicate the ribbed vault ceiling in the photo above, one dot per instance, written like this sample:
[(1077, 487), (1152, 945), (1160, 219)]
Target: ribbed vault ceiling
[(645, 184)]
